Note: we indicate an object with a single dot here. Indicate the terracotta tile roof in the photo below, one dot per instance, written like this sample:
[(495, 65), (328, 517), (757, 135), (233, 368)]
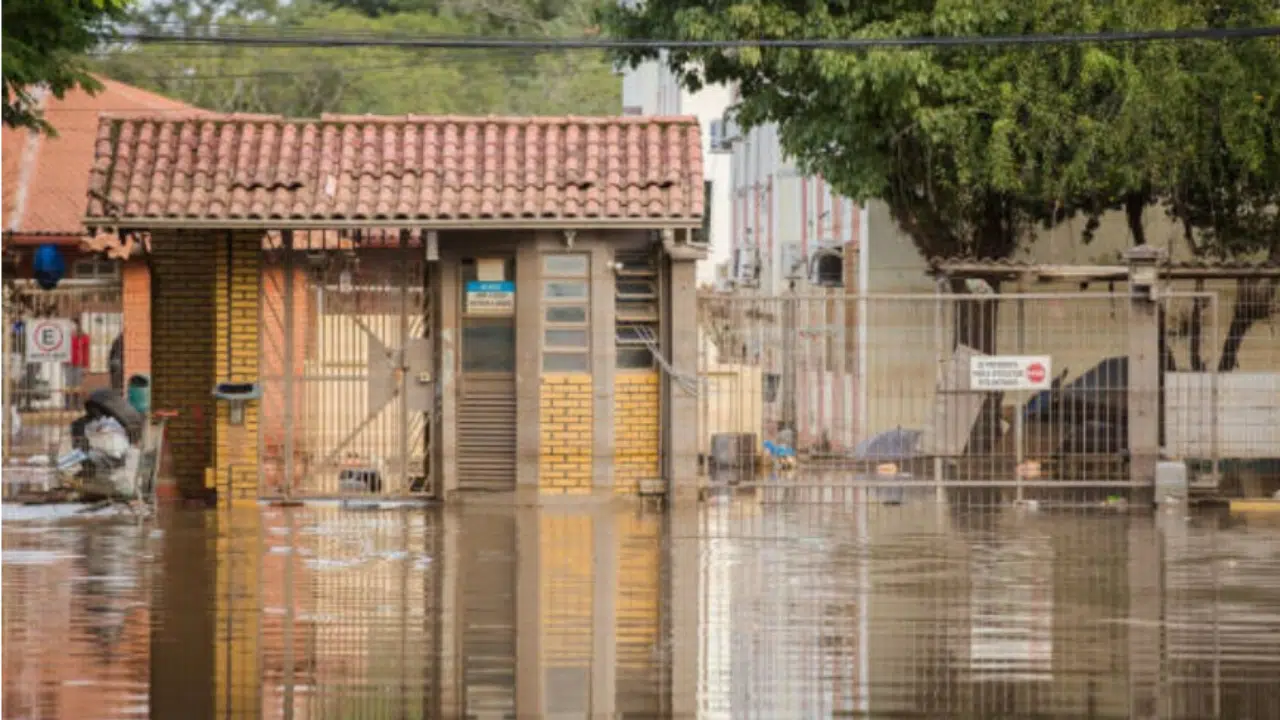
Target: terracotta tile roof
[(45, 178), (271, 171)]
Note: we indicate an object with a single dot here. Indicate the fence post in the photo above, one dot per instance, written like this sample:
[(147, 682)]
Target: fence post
[(789, 303), (1143, 392)]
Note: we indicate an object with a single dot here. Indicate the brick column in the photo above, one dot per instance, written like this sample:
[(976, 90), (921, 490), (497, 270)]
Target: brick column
[(182, 362), (237, 267), (136, 281)]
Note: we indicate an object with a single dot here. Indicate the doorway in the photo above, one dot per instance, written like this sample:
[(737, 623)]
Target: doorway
[(486, 432)]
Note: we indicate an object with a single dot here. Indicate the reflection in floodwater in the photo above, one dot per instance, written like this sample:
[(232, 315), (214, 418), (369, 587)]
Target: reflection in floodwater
[(735, 609)]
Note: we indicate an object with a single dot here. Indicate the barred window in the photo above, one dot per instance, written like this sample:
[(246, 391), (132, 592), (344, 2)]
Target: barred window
[(636, 308)]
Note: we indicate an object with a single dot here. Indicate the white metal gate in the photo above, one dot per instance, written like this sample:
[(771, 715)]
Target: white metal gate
[(347, 366)]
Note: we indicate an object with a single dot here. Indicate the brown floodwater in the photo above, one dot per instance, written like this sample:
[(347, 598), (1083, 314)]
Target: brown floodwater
[(740, 608)]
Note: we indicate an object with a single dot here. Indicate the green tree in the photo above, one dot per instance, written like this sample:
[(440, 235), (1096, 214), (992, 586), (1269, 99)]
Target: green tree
[(305, 82), (972, 148), (44, 50)]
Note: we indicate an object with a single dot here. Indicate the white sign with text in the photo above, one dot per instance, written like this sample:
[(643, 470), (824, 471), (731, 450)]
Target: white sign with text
[(49, 340), (1010, 372)]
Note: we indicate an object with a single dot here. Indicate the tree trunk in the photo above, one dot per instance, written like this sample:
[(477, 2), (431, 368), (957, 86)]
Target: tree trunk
[(1254, 300), (1195, 334)]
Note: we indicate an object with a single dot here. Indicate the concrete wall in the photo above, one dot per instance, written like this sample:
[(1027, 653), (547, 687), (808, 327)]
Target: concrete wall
[(1076, 327)]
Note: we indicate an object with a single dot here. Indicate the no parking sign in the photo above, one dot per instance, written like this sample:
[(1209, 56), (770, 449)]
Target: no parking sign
[(49, 340)]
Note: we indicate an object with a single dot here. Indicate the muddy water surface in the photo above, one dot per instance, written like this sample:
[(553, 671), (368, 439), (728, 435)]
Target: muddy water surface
[(736, 609)]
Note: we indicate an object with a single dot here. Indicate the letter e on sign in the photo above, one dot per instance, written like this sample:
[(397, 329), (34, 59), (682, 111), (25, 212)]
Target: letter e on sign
[(49, 340)]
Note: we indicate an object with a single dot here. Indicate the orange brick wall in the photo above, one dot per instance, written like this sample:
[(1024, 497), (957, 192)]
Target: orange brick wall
[(272, 337), (136, 282)]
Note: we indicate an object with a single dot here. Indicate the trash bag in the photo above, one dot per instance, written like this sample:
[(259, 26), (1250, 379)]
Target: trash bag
[(107, 403)]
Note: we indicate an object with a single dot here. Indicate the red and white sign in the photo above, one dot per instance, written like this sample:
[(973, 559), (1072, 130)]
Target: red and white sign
[(1036, 373), (1010, 372), (49, 340)]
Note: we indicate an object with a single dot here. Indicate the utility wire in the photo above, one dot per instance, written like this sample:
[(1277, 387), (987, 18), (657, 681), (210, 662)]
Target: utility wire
[(279, 39)]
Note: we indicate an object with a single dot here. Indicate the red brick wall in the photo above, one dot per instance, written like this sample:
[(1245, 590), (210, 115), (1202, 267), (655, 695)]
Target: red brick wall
[(136, 291)]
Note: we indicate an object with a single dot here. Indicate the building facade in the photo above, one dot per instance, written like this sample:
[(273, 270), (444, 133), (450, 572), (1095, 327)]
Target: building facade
[(416, 305)]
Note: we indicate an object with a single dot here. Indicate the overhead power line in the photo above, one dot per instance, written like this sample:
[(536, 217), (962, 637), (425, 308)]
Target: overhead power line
[(226, 36)]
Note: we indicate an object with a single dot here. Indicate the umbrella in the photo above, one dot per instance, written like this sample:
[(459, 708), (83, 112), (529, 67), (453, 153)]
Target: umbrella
[(890, 445)]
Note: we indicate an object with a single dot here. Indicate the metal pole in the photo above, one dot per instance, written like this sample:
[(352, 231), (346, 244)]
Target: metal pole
[(1019, 432), (404, 360), (289, 360), (789, 358), (1214, 409), (940, 412), (864, 282), (290, 616)]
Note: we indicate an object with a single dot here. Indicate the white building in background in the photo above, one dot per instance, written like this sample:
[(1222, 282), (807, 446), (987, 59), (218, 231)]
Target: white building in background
[(652, 89), (767, 222), (782, 218)]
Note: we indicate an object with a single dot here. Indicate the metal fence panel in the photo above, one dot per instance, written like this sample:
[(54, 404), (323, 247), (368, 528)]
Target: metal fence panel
[(43, 397), (880, 391)]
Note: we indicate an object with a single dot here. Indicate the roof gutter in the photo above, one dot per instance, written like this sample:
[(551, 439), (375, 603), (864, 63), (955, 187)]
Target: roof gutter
[(155, 223)]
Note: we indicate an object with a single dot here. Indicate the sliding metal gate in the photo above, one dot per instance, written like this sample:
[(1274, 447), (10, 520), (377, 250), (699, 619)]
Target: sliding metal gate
[(348, 366)]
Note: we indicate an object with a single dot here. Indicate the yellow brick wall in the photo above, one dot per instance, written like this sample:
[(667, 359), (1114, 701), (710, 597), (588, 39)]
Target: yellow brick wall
[(238, 615), (236, 282), (566, 579), (639, 594), (635, 430), (566, 450), (182, 358)]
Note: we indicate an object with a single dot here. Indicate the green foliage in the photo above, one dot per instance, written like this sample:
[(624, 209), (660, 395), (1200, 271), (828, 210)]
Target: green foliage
[(972, 147), (44, 42), (305, 82)]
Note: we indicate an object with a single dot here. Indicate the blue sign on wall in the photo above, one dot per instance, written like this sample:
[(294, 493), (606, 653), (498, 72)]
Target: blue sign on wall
[(481, 286), (491, 298)]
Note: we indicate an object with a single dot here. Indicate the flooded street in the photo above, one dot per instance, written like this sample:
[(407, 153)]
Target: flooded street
[(736, 609)]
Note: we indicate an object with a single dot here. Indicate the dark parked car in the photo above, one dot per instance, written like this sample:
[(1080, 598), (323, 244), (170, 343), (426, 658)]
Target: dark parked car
[(1088, 417)]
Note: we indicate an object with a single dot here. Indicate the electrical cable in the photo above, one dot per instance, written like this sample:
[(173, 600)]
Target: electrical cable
[(333, 40)]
